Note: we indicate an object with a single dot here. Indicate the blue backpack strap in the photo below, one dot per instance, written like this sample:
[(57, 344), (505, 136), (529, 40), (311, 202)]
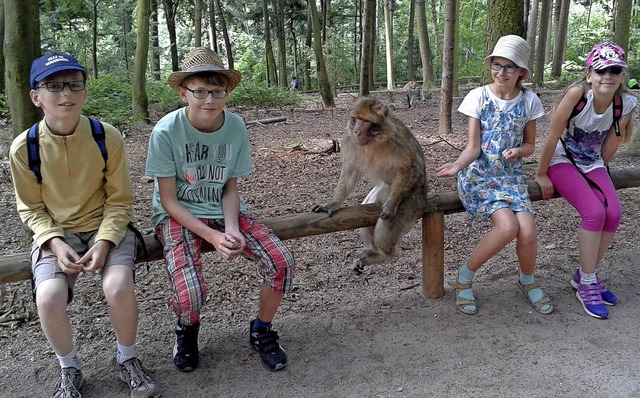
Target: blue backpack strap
[(97, 130), (617, 113), (33, 151)]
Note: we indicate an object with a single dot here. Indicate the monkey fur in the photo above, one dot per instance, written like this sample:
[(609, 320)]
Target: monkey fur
[(379, 146)]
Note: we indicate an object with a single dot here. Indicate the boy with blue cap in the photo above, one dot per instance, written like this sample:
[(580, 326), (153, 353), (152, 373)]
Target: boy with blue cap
[(79, 206)]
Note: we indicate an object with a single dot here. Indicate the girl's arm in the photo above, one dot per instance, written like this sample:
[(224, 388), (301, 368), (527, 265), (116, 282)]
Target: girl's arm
[(528, 144), (612, 141), (559, 119), (468, 155)]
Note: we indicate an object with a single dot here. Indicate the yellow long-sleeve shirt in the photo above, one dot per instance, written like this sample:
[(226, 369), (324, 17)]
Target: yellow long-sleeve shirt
[(77, 193)]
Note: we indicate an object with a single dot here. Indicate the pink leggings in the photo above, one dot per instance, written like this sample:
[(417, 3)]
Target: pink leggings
[(588, 200)]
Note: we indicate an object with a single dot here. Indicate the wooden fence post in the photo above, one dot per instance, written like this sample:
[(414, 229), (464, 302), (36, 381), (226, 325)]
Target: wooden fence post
[(433, 254)]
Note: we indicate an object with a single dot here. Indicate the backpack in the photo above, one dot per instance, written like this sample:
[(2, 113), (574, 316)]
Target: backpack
[(617, 110), (97, 131), (33, 147), (577, 108)]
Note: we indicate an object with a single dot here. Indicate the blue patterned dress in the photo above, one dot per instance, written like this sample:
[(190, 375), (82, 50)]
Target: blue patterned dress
[(491, 183)]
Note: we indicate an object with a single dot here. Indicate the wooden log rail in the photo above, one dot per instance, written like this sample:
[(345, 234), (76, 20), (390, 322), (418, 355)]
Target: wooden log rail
[(15, 267)]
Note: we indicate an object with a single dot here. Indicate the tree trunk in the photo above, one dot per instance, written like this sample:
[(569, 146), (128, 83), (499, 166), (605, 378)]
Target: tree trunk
[(411, 73), (197, 22), (388, 34), (323, 79), (448, 65), (21, 47), (282, 48), (170, 7), (560, 41), (504, 17), (2, 80), (365, 58), (623, 24), (155, 42), (213, 28), (225, 35), (532, 29), (538, 76), (140, 99), (307, 62), (436, 25), (428, 78), (271, 62), (94, 38)]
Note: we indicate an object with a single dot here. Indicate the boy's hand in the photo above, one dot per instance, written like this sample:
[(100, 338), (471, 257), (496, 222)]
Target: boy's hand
[(67, 257), (229, 245), (95, 257)]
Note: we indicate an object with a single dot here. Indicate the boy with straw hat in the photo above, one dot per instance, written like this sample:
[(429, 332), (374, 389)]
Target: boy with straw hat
[(196, 154)]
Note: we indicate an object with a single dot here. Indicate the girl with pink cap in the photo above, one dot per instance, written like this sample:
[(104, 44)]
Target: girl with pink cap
[(583, 137)]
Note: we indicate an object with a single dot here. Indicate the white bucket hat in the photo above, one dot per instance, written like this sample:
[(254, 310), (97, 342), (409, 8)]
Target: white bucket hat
[(515, 49)]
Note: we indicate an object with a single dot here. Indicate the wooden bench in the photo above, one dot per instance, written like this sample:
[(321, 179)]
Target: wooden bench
[(16, 267)]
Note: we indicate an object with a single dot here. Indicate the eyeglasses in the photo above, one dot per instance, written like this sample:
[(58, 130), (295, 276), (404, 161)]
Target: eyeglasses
[(202, 94), (614, 70), (56, 87), (509, 69)]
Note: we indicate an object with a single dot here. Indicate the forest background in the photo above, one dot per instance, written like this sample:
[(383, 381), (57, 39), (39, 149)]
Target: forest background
[(130, 46)]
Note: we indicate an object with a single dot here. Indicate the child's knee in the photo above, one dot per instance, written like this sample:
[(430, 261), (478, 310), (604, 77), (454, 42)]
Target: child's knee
[(594, 219)]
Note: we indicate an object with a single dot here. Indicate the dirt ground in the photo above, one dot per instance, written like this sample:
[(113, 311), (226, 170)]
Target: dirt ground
[(373, 335)]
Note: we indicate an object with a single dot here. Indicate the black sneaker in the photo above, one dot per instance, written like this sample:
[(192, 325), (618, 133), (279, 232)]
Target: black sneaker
[(265, 341), (185, 352)]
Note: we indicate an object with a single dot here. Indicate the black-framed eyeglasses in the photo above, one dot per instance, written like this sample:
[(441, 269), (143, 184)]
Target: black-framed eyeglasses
[(56, 87), (509, 69), (614, 70), (202, 94)]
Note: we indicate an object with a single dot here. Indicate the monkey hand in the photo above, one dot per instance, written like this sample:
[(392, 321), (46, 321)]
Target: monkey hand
[(388, 211), (330, 208)]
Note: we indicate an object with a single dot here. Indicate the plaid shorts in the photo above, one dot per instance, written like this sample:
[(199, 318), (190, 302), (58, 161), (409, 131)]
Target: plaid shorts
[(182, 254)]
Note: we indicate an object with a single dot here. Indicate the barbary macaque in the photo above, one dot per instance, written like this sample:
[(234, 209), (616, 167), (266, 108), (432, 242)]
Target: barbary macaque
[(381, 147)]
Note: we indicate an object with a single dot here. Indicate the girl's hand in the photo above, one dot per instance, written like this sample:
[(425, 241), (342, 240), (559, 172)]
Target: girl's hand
[(447, 170), (546, 186), (511, 155)]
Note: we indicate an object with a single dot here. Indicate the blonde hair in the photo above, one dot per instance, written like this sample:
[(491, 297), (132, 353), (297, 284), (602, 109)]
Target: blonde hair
[(625, 134)]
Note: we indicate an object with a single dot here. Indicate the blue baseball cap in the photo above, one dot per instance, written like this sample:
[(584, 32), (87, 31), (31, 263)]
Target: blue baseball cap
[(51, 63)]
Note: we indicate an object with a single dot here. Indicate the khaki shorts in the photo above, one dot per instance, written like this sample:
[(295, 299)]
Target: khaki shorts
[(44, 264)]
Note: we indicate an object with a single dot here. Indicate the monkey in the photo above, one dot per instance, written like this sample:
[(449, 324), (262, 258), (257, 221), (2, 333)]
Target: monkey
[(379, 146), (408, 88)]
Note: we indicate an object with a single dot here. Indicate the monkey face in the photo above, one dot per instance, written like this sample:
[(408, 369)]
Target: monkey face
[(364, 130)]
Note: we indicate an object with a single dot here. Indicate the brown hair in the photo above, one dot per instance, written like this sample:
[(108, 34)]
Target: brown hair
[(212, 78)]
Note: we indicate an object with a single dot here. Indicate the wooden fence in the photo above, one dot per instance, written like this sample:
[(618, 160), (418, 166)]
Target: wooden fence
[(16, 267)]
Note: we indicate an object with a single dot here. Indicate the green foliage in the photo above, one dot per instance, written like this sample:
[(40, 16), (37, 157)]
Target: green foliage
[(4, 105), (109, 99), (257, 94)]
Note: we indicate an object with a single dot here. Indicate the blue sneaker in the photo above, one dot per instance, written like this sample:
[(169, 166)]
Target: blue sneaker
[(608, 298), (589, 296)]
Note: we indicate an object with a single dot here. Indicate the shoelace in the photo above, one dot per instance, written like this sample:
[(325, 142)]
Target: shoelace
[(138, 376), (590, 294), (66, 385)]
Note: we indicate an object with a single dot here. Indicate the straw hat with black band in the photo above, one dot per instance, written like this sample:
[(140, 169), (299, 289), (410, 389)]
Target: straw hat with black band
[(203, 59)]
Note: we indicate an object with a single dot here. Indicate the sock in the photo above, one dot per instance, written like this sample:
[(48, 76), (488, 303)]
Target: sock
[(70, 360), (123, 353), (587, 279), (258, 324), (465, 276), (534, 294)]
